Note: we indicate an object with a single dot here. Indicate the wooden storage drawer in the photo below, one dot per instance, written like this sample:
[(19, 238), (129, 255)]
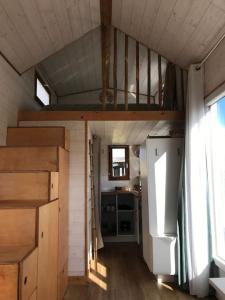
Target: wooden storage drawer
[(17, 227), (18, 273), (41, 186), (29, 159), (38, 136), (28, 276)]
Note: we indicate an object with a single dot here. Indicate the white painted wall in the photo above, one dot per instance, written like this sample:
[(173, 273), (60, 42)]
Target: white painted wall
[(214, 69), (76, 192), (16, 93), (106, 184)]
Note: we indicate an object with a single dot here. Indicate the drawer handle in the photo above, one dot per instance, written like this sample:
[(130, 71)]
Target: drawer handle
[(52, 185), (25, 280), (42, 234)]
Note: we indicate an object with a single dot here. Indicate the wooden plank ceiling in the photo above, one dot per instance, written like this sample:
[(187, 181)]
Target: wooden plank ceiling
[(31, 30), (132, 133), (181, 30)]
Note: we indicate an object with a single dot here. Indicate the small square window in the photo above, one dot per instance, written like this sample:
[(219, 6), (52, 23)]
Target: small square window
[(42, 92)]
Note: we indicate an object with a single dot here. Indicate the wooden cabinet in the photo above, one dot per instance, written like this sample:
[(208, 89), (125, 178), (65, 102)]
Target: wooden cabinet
[(52, 159), (18, 273), (41, 186), (38, 136), (34, 178), (48, 252)]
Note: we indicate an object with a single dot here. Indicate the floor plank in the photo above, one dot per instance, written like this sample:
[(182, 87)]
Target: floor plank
[(123, 275)]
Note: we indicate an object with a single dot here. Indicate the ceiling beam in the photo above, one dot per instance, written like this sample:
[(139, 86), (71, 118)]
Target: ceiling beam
[(106, 20), (10, 64), (100, 116)]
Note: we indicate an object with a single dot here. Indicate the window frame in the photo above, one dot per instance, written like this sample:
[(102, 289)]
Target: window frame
[(219, 260), (127, 162), (44, 85)]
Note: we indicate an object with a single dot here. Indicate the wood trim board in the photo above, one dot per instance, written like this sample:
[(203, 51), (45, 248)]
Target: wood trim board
[(100, 116)]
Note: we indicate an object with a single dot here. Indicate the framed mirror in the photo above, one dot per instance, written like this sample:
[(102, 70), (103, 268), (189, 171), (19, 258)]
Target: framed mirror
[(118, 162)]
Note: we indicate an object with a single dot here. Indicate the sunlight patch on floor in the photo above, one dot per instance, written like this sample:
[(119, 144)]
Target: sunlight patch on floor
[(98, 276)]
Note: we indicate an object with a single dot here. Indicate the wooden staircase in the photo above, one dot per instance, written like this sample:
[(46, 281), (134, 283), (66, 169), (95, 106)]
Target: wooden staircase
[(34, 176)]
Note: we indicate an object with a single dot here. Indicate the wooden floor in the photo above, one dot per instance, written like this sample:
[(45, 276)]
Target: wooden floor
[(123, 275)]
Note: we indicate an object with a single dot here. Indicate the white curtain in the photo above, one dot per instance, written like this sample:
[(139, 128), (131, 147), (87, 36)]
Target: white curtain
[(196, 190), (97, 176)]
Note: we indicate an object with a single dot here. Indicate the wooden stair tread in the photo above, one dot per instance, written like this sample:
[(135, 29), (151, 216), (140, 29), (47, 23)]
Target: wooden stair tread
[(7, 204), (9, 255)]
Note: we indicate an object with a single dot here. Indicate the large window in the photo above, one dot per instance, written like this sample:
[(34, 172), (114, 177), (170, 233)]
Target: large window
[(42, 92), (118, 162), (217, 116)]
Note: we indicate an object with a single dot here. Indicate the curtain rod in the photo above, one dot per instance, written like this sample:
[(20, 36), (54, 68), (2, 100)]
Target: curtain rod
[(212, 50)]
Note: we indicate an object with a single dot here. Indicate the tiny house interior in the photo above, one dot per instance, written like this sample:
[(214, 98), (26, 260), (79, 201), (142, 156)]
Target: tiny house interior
[(112, 117)]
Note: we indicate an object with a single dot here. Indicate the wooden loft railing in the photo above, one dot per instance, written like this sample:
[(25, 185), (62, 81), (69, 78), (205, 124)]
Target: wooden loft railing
[(114, 90)]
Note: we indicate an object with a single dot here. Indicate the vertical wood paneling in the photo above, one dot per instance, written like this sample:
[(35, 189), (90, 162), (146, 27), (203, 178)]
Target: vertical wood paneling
[(137, 72), (126, 73), (149, 77), (160, 80), (115, 69)]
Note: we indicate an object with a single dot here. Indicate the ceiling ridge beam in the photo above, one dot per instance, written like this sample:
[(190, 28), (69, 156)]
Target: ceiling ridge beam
[(106, 21)]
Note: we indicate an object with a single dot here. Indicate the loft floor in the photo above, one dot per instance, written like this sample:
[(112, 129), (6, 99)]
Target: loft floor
[(109, 107), (123, 275)]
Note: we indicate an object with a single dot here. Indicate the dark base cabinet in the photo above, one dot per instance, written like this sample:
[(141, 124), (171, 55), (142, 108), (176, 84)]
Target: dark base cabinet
[(119, 217)]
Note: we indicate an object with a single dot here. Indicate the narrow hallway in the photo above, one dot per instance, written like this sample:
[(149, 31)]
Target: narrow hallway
[(123, 275)]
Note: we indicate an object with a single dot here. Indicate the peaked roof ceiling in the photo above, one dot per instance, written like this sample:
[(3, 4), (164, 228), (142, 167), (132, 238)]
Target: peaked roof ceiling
[(182, 31), (77, 69)]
